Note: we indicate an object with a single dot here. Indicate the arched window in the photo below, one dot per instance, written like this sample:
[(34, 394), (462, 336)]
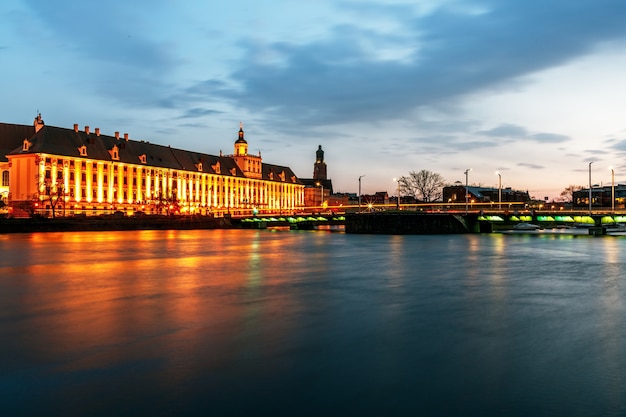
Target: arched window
[(5, 178)]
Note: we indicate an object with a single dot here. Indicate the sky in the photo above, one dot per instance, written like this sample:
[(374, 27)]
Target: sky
[(535, 90)]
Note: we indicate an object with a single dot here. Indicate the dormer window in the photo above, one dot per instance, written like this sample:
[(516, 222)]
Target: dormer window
[(216, 167), (233, 171), (199, 166), (282, 176), (142, 158), (26, 146), (82, 150), (115, 154)]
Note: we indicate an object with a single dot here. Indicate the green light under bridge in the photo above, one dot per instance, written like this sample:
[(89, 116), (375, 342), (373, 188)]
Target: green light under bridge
[(491, 218)]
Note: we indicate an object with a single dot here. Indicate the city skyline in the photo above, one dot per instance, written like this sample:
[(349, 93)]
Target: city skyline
[(530, 90)]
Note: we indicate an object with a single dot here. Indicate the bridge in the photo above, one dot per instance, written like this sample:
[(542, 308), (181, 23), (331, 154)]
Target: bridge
[(295, 222), (438, 218)]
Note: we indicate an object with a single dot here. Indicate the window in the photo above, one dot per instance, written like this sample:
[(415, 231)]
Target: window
[(115, 155), (83, 150), (5, 178)]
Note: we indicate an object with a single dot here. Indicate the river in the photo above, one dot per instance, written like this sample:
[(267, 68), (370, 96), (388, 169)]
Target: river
[(311, 323)]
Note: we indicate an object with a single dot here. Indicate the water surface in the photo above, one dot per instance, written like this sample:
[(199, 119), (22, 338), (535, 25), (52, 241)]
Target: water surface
[(243, 322)]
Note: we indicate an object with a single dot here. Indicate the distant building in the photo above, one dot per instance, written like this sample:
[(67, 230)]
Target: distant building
[(600, 196), (456, 194), (380, 197), (89, 173)]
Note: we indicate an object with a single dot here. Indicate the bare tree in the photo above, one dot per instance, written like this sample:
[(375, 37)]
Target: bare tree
[(423, 185), (53, 192), (567, 195), (167, 202)]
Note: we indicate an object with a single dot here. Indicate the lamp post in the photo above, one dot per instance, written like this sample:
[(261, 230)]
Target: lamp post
[(612, 189), (590, 186), (319, 184), (360, 192), (397, 180), (499, 189), (466, 184)]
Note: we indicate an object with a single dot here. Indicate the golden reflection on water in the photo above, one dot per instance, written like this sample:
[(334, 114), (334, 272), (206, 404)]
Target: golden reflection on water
[(182, 307), (93, 292)]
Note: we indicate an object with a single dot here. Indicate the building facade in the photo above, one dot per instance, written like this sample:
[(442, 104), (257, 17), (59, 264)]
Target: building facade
[(456, 194), (603, 196), (58, 171)]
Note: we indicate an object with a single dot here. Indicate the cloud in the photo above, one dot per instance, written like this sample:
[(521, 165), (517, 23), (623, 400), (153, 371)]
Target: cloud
[(518, 132), (198, 112), (337, 79), (619, 145), (548, 137), (506, 130), (529, 165)]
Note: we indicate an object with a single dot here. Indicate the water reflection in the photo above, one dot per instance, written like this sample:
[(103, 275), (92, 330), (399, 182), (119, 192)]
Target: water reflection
[(248, 322)]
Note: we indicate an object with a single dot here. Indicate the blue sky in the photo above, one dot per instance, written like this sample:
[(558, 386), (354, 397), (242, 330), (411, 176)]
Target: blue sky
[(532, 89)]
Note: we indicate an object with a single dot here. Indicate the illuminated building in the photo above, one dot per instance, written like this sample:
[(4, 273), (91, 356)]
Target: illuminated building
[(72, 171), (456, 194)]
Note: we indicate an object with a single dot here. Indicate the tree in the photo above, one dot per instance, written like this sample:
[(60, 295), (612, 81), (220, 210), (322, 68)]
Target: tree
[(567, 195), (53, 192), (423, 185), (167, 202)]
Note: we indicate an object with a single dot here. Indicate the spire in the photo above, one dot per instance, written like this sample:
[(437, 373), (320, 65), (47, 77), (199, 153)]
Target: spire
[(241, 138), (319, 155), (241, 146)]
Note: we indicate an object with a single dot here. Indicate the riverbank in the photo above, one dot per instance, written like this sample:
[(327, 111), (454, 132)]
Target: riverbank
[(112, 223)]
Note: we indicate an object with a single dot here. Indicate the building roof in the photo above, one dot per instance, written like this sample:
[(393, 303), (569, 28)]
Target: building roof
[(68, 142), (312, 183), (12, 136)]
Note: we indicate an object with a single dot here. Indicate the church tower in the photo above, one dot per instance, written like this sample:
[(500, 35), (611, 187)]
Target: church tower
[(319, 168), (241, 146), (251, 165)]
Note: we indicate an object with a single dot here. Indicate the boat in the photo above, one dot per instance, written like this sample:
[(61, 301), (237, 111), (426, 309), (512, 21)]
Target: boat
[(526, 226)]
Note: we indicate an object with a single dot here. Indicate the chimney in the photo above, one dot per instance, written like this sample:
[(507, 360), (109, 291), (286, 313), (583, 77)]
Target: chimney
[(97, 131), (126, 137), (75, 127), (117, 135), (87, 129)]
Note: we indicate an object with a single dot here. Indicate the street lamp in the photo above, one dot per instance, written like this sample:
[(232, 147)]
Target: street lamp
[(612, 189), (397, 180), (319, 184), (466, 184), (360, 192), (499, 189), (590, 186)]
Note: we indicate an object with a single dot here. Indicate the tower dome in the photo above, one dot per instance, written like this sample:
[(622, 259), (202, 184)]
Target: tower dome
[(241, 146)]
